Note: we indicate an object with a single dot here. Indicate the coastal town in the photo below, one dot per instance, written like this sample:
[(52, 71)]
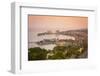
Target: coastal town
[(78, 37), (74, 47)]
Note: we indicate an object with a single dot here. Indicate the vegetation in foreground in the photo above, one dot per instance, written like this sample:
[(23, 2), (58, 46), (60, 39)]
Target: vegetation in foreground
[(58, 52)]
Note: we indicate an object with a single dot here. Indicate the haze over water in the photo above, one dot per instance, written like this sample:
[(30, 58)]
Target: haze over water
[(40, 24)]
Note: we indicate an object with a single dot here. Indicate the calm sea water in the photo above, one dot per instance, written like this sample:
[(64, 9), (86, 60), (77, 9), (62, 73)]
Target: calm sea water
[(34, 38)]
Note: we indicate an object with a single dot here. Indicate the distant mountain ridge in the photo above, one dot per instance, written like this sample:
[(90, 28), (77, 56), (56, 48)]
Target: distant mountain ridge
[(60, 32)]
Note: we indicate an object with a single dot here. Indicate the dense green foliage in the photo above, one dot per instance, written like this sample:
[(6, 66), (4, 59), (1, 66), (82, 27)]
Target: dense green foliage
[(58, 52), (37, 54)]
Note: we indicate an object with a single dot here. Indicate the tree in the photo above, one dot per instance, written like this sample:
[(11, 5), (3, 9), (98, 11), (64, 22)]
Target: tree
[(37, 54)]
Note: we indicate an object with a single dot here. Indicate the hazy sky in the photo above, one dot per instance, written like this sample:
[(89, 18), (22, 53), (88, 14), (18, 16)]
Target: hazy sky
[(46, 23)]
